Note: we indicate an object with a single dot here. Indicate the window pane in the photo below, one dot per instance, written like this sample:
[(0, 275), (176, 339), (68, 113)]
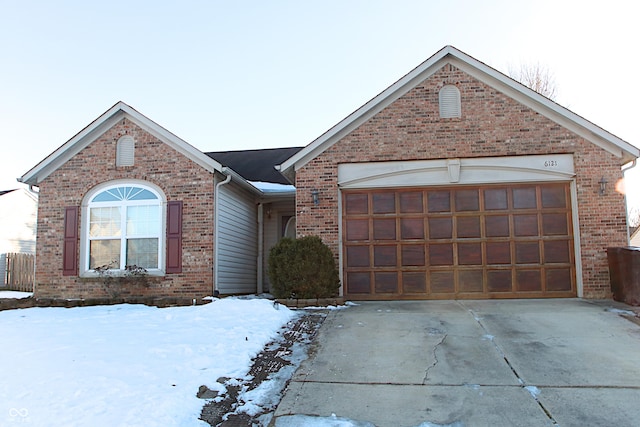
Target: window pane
[(104, 253), (142, 252), (124, 193), (143, 221), (104, 222)]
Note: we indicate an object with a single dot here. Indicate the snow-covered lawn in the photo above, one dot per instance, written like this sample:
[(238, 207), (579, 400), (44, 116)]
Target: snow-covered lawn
[(126, 365), (15, 294)]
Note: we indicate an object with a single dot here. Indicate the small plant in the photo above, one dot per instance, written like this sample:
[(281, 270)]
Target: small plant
[(303, 268), (113, 280)]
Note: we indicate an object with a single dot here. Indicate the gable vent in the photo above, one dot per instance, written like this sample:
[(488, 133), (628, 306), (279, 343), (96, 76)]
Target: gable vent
[(449, 98), (125, 151)]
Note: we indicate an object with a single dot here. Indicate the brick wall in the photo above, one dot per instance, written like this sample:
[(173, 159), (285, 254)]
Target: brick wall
[(491, 125), (156, 163)]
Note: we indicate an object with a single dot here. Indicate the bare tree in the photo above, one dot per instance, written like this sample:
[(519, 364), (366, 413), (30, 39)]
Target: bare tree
[(536, 77)]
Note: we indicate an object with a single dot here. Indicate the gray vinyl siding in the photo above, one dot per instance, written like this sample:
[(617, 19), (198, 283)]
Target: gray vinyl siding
[(238, 250)]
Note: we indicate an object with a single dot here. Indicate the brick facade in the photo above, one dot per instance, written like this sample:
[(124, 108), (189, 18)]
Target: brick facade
[(492, 124), (177, 176)]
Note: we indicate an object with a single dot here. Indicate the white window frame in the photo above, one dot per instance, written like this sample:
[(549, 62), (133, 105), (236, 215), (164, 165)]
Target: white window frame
[(86, 218)]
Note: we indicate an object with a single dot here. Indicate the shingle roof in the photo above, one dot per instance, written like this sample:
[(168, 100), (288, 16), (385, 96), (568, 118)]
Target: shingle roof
[(3, 192), (256, 165)]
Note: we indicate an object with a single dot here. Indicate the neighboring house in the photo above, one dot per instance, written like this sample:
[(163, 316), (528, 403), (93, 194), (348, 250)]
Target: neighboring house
[(454, 182), (18, 209)]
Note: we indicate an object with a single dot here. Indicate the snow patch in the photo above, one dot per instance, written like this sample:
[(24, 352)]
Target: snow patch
[(533, 391), (270, 187), (15, 295), (127, 364)]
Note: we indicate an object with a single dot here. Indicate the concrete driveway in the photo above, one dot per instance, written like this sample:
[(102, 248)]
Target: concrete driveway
[(566, 362)]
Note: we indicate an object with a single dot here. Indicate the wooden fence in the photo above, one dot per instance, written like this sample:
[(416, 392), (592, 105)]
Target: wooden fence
[(20, 272)]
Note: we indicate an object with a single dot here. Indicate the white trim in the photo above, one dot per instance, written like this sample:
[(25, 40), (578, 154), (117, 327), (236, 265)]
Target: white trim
[(576, 239), (85, 271), (479, 170)]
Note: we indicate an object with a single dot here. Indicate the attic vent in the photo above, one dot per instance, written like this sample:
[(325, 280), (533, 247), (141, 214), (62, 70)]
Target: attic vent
[(124, 151), (449, 102)]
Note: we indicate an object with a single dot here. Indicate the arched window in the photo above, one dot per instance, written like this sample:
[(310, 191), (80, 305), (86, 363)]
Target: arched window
[(124, 228), (449, 98)]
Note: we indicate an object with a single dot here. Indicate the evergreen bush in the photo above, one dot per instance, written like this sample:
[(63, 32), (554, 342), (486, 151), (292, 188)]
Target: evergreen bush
[(303, 268)]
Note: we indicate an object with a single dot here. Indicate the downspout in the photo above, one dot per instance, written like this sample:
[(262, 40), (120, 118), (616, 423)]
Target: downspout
[(216, 250), (626, 207), (259, 285)]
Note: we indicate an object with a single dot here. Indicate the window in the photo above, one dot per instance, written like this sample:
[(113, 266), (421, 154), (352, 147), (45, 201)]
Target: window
[(124, 228), (449, 99)]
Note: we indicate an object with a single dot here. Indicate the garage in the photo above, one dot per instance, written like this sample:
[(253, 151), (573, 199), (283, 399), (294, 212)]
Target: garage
[(444, 242)]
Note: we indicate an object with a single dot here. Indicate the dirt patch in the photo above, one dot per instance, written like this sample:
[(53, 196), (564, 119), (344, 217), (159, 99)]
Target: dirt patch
[(276, 362)]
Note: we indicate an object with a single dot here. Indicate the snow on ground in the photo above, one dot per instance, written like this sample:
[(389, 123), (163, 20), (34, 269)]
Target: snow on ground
[(130, 365), (15, 294)]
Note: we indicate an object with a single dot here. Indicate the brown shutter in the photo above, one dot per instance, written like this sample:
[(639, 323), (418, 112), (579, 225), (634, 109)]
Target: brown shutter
[(70, 248), (174, 237)]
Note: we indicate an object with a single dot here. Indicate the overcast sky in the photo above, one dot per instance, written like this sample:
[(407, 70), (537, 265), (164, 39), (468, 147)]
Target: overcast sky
[(227, 75)]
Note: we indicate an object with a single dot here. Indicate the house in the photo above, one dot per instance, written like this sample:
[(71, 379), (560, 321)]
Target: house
[(125, 196), (454, 182), (459, 182), (18, 209)]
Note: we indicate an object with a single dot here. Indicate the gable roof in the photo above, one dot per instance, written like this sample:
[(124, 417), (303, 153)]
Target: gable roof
[(482, 72), (256, 165), (100, 125)]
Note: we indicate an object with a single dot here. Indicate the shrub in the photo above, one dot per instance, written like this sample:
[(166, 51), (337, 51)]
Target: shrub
[(303, 268)]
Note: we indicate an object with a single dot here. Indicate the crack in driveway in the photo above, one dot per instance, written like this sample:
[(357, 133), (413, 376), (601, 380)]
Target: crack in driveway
[(435, 360)]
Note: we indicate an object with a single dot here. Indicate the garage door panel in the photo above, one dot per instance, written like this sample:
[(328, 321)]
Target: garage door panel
[(499, 281), (496, 226), (441, 254), (384, 256), (358, 283), (468, 226), (555, 224), (414, 282), (357, 229), (495, 199), (411, 202), (554, 196), (356, 204), (558, 279), (529, 280), (525, 225), (498, 241), (412, 228), (470, 253), (442, 282), (498, 252), (527, 252), (524, 198), (440, 228), (413, 255), (386, 282), (467, 200), (471, 281), (439, 201), (384, 203), (357, 256)]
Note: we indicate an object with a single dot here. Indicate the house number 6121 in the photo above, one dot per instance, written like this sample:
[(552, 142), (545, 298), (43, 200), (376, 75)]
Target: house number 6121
[(550, 163)]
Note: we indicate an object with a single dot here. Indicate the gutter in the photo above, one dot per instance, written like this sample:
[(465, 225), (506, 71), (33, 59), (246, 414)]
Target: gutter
[(216, 249)]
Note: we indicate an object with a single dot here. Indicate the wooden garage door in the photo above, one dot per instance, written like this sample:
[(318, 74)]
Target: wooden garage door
[(513, 241)]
